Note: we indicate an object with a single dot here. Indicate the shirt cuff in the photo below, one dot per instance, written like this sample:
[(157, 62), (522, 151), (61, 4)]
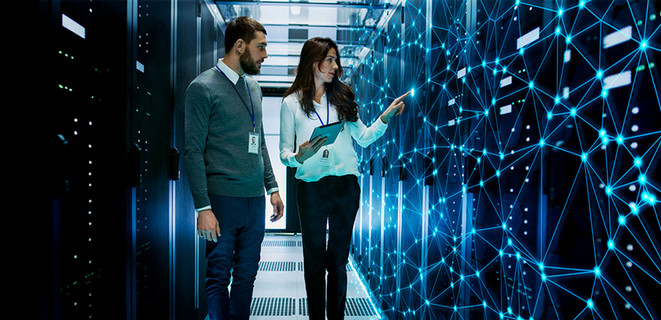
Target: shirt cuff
[(272, 190), (380, 125), (292, 162), (203, 208)]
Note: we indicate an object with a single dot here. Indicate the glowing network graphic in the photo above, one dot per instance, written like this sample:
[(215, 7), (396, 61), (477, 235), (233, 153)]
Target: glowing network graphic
[(522, 181)]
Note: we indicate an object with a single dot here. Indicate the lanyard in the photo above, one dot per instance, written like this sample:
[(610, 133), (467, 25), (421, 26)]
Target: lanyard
[(252, 114), (327, 113)]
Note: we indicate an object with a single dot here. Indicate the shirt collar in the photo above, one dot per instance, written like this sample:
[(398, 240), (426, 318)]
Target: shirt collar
[(322, 101), (231, 74)]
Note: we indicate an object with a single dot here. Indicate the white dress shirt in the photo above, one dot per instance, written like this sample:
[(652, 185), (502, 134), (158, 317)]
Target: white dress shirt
[(342, 158)]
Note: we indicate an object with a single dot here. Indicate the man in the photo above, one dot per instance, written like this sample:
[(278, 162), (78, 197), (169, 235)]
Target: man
[(227, 172)]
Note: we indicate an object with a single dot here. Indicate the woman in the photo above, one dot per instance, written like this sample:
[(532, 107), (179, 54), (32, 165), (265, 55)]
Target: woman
[(328, 190)]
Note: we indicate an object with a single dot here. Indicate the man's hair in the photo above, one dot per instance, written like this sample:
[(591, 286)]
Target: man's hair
[(241, 28)]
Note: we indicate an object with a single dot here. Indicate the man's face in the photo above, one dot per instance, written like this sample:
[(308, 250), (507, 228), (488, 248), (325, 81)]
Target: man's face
[(255, 53)]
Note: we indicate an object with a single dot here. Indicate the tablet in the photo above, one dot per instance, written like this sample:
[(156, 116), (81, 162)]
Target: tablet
[(330, 130)]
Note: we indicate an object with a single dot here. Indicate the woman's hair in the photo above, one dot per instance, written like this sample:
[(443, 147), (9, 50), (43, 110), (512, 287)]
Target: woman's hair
[(241, 28), (339, 94)]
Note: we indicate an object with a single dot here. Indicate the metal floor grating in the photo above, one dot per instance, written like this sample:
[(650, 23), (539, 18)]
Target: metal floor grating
[(282, 243), (273, 307), (277, 266), (354, 307), (358, 307)]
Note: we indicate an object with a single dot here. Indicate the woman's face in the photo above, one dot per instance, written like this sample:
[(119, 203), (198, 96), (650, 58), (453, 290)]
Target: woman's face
[(326, 69)]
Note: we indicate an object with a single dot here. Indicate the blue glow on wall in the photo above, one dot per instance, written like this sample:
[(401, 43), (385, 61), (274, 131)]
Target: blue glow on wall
[(522, 181)]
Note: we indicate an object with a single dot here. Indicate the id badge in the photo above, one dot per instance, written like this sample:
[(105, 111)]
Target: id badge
[(325, 155), (253, 143)]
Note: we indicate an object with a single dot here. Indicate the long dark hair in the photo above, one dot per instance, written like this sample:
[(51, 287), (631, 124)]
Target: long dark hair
[(338, 93)]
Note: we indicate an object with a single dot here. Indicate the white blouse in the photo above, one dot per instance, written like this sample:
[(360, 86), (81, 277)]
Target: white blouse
[(341, 158)]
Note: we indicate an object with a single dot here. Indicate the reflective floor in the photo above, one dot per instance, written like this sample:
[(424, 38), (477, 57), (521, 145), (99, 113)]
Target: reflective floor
[(280, 288)]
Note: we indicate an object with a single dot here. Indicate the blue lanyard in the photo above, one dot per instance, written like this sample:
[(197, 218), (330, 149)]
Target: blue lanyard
[(252, 114), (327, 113)]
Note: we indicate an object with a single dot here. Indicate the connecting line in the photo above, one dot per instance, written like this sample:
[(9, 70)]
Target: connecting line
[(633, 283), (604, 178)]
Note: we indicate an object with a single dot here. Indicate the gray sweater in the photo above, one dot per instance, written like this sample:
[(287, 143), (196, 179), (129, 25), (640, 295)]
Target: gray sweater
[(217, 125)]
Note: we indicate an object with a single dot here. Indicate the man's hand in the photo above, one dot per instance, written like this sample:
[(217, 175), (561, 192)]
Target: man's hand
[(207, 226), (278, 206)]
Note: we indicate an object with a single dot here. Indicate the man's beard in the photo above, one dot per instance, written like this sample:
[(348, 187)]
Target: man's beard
[(247, 65)]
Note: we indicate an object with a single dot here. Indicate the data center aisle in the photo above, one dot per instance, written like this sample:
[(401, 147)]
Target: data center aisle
[(280, 287)]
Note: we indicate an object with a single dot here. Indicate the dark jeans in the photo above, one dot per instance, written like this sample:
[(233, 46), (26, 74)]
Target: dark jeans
[(235, 255), (334, 200)]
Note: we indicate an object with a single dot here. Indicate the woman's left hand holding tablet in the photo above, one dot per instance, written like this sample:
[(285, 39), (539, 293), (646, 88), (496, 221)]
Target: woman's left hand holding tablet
[(309, 148)]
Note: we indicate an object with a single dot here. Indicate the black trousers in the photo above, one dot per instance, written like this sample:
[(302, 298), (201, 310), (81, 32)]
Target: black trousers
[(333, 200)]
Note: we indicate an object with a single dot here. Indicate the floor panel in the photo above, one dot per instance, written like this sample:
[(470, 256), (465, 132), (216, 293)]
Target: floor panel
[(280, 287)]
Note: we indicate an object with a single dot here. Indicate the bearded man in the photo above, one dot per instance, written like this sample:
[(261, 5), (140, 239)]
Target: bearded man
[(228, 172)]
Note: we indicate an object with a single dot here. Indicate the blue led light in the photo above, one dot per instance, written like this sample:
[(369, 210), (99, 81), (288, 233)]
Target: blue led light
[(622, 220), (610, 244), (649, 198)]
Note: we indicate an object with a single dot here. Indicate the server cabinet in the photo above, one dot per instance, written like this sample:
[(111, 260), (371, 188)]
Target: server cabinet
[(82, 104), (529, 188), (173, 42), (121, 218)]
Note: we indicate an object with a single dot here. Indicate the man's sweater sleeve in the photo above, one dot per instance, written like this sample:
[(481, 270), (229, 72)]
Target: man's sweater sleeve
[(269, 178), (196, 127)]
